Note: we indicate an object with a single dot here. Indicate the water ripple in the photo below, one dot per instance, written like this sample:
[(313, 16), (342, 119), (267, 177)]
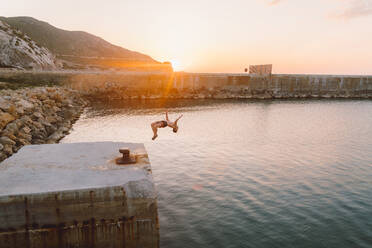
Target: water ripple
[(252, 174)]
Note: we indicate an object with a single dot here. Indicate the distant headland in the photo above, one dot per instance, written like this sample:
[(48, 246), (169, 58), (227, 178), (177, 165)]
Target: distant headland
[(31, 44)]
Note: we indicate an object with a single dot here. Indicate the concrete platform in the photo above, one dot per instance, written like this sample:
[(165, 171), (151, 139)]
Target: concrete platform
[(75, 195)]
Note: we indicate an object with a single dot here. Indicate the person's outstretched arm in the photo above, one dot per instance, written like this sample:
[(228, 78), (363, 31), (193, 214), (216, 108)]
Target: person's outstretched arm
[(179, 118), (166, 115)]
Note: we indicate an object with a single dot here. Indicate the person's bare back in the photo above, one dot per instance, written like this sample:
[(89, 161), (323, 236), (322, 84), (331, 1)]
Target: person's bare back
[(165, 123)]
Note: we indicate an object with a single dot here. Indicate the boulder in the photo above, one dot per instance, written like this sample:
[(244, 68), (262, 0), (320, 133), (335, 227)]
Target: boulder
[(56, 109), (11, 136), (18, 122), (25, 136), (8, 150), (36, 125), (55, 137), (49, 102), (26, 129), (26, 105), (5, 118), (39, 134), (11, 128), (4, 140), (26, 120), (37, 115), (3, 156), (58, 119), (38, 141), (4, 104), (51, 119), (47, 110), (42, 97), (19, 111), (68, 114), (57, 97), (23, 142), (50, 129)]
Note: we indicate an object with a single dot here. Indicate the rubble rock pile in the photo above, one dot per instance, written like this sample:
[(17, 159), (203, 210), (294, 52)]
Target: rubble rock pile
[(36, 116)]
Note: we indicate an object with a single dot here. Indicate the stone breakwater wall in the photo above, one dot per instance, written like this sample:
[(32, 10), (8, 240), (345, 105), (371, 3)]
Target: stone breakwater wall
[(36, 116), (221, 86), (107, 85)]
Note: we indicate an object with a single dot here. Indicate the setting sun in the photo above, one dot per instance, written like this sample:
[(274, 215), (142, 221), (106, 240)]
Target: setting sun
[(176, 65)]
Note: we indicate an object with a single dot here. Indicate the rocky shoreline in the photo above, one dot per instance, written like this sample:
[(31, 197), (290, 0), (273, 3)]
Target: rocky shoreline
[(36, 116)]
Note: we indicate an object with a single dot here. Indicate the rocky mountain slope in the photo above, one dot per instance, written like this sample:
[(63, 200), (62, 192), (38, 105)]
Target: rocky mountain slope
[(72, 49), (72, 44), (17, 50)]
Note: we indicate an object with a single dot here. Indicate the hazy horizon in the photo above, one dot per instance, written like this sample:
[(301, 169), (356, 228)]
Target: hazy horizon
[(317, 37)]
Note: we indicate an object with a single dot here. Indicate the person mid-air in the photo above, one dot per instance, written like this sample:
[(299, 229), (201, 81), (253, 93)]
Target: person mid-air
[(161, 124)]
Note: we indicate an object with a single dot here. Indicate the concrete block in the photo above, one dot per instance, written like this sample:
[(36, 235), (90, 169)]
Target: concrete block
[(75, 195)]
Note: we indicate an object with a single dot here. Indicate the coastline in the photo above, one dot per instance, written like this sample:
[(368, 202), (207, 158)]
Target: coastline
[(36, 116)]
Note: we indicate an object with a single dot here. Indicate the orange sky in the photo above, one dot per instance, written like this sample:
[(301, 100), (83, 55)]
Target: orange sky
[(297, 36)]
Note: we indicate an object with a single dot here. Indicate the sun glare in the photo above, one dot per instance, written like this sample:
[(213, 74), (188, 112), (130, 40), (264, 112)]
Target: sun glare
[(176, 65)]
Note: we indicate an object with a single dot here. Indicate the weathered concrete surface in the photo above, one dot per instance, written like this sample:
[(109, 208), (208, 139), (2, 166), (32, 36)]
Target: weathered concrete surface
[(74, 195)]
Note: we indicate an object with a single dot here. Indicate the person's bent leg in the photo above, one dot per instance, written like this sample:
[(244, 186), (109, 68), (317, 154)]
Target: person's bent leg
[(154, 130)]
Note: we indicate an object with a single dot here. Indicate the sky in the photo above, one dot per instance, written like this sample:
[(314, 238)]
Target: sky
[(296, 36)]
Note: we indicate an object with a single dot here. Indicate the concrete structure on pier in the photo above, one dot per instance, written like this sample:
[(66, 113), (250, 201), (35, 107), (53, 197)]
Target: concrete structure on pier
[(75, 195)]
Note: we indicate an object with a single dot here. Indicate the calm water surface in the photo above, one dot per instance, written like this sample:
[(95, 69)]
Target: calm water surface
[(252, 174)]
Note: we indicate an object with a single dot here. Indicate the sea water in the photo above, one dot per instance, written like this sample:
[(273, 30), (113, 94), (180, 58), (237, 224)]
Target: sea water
[(251, 173)]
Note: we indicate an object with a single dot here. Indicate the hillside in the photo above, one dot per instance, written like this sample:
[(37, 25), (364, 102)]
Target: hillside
[(19, 51), (76, 48)]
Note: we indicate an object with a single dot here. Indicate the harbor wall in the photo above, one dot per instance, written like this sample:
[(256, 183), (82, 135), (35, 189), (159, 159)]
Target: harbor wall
[(221, 86), (128, 85), (276, 83)]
